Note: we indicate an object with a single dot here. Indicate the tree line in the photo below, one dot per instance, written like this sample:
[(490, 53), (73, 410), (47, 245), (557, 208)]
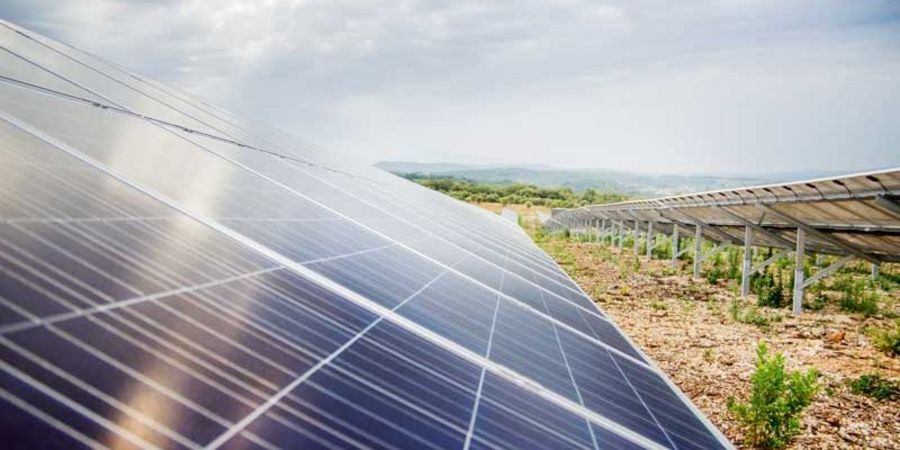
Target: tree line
[(513, 193)]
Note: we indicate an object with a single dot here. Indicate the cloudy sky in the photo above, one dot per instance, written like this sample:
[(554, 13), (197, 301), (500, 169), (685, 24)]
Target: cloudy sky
[(727, 86)]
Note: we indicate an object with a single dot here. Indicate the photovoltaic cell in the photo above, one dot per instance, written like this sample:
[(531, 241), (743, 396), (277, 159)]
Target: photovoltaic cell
[(173, 276)]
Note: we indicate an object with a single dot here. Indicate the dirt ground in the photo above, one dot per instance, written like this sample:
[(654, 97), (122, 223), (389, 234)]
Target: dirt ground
[(685, 326)]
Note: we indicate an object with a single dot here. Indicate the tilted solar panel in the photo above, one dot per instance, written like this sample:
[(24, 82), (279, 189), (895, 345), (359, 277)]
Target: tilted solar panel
[(176, 276)]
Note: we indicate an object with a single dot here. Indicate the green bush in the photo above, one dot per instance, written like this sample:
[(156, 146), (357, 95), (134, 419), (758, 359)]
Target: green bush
[(888, 339), (856, 300), (769, 290), (875, 386), (771, 417)]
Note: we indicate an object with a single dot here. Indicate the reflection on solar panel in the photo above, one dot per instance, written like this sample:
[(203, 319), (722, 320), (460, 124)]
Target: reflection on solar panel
[(176, 276), (854, 216)]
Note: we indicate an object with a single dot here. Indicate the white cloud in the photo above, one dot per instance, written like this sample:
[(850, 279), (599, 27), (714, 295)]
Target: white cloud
[(685, 86)]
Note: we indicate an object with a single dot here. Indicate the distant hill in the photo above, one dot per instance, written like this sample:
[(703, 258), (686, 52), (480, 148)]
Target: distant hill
[(631, 183)]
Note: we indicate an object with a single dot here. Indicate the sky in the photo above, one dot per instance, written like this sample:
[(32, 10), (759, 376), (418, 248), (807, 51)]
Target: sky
[(713, 87)]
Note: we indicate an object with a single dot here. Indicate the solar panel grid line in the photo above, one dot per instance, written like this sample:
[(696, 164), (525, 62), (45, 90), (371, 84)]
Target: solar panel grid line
[(262, 409), (647, 408), (176, 363), (362, 301), (427, 257), (80, 409), (146, 380), (119, 210), (259, 393), (49, 420), (189, 319), (89, 388), (74, 257), (419, 410), (433, 214), (572, 377), (487, 354), (40, 321)]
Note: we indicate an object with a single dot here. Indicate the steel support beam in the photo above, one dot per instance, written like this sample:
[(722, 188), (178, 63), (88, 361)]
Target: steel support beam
[(762, 266), (798, 271), (828, 271), (712, 252), (748, 259)]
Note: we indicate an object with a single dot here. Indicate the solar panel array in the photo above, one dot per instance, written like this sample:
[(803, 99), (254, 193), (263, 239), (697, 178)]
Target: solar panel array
[(177, 276), (857, 215)]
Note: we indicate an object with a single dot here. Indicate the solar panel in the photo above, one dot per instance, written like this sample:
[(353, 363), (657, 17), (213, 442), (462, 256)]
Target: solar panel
[(176, 276)]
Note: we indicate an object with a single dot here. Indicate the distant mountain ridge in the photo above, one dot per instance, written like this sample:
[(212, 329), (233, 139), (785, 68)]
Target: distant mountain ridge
[(631, 183)]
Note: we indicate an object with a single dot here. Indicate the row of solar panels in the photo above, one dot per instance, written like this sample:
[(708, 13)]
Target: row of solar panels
[(176, 276), (856, 215)]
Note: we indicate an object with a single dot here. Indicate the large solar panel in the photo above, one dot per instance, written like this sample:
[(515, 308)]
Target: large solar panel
[(176, 276)]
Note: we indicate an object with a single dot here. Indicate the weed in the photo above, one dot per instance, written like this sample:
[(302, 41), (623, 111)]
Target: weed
[(771, 417), (658, 306), (709, 355), (875, 386), (752, 315)]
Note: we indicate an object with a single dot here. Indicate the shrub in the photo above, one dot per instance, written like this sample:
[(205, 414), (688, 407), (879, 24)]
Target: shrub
[(769, 291), (875, 386), (887, 339), (857, 301), (771, 417)]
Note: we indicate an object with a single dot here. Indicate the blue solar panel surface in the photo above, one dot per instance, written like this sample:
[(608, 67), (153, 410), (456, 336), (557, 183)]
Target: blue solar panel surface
[(176, 276)]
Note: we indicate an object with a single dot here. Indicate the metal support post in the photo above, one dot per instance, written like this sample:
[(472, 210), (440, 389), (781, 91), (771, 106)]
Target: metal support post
[(675, 246), (874, 271), (650, 239), (621, 242), (798, 271), (637, 235), (698, 241), (745, 270)]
